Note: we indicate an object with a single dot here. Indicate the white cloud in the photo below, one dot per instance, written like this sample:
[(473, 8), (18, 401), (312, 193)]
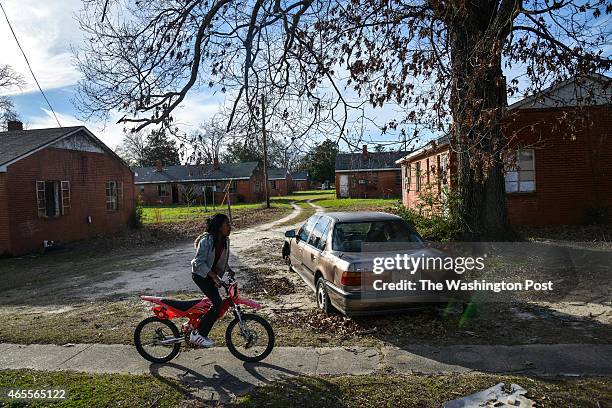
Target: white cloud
[(110, 133), (46, 31)]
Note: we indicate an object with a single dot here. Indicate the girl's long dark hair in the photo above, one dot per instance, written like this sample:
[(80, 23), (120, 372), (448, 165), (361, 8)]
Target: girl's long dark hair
[(213, 225)]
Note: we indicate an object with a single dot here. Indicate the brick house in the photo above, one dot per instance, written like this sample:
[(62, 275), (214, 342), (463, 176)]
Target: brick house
[(280, 182), (205, 183), (553, 177), (368, 174), (59, 184), (301, 181)]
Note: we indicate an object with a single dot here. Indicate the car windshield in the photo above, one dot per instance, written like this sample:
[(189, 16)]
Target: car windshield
[(350, 236)]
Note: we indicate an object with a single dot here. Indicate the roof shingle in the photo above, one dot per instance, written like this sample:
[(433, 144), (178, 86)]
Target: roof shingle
[(17, 143), (201, 172)]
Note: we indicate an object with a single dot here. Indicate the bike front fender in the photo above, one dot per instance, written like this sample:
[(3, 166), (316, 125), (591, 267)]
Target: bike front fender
[(248, 302)]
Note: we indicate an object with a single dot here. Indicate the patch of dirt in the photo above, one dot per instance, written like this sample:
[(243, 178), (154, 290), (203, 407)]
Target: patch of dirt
[(270, 286)]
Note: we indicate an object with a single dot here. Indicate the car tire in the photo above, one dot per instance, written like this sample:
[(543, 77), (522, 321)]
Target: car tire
[(323, 301)]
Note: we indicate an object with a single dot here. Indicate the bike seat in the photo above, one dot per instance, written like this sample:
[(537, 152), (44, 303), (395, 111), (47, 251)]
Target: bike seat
[(183, 305)]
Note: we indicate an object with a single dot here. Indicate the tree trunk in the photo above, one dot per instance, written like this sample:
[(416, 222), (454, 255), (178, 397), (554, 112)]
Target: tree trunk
[(477, 103)]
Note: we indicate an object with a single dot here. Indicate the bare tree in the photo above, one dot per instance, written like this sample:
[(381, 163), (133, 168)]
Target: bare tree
[(8, 79), (132, 148), (204, 144), (448, 65)]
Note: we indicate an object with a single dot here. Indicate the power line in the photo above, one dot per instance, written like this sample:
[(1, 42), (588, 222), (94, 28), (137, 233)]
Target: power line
[(28, 63)]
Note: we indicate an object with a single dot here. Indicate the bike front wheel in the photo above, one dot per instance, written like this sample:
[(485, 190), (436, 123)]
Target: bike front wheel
[(250, 339)]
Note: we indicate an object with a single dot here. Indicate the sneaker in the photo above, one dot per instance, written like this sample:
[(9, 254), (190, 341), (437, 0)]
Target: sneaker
[(197, 339)]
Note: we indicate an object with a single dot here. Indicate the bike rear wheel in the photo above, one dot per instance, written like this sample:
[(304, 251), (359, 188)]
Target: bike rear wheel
[(251, 340), (157, 339)]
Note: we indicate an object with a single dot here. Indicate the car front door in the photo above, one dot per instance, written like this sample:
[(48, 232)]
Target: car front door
[(298, 244), (312, 250)]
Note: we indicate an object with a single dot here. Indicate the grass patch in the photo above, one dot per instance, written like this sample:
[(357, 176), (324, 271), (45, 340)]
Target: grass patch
[(114, 323), (421, 391), (181, 213), (356, 204), (96, 390)]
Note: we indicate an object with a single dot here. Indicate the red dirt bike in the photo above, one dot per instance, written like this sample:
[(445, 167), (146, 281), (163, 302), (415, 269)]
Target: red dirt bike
[(249, 337)]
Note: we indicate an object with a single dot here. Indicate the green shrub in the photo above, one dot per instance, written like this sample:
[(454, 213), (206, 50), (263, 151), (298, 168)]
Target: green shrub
[(135, 220), (434, 227)]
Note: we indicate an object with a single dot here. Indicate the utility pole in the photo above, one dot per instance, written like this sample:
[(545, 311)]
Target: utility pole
[(265, 150)]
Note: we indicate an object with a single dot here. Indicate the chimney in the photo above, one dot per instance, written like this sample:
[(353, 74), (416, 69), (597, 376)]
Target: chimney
[(14, 125), (364, 151), (158, 165), (216, 163)]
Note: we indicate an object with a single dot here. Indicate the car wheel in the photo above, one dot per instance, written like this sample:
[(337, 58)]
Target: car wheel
[(323, 301)]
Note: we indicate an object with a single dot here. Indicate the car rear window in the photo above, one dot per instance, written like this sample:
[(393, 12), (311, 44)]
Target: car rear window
[(350, 236)]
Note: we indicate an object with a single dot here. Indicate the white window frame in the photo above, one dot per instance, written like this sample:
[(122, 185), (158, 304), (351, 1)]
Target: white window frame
[(112, 200), (163, 188), (61, 194), (514, 174)]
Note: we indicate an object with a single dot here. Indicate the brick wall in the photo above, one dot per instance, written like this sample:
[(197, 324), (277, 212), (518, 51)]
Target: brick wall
[(301, 185), (573, 170), (371, 184), (4, 216), (87, 173)]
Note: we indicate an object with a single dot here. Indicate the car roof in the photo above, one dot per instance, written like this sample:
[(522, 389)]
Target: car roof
[(360, 216)]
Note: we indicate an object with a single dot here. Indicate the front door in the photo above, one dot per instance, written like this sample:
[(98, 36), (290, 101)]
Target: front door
[(344, 186), (175, 194)]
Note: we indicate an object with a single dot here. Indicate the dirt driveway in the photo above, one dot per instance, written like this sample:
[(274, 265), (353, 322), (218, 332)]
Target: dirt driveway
[(93, 298)]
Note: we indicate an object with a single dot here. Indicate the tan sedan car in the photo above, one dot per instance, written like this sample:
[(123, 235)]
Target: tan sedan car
[(335, 252)]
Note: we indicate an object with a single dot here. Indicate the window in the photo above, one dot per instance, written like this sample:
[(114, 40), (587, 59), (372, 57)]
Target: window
[(408, 170), (417, 174), (232, 187), (273, 184), (53, 198), (398, 178), (304, 232), (141, 189), (350, 236), (427, 170), (520, 177), (163, 190), (317, 232), (114, 195)]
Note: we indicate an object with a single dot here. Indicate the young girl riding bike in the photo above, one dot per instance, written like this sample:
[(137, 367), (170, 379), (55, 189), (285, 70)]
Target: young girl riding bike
[(208, 267)]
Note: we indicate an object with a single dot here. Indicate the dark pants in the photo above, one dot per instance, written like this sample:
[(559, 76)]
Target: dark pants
[(207, 285)]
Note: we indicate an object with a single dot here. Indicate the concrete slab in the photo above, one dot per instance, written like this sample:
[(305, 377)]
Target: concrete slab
[(355, 360), (39, 356), (418, 361)]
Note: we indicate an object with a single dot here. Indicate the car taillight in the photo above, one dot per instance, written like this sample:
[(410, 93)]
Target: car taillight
[(351, 278)]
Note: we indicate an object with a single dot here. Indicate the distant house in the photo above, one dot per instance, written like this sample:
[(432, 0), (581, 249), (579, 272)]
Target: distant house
[(368, 174), (59, 184), (280, 182), (301, 181), (205, 183), (556, 177)]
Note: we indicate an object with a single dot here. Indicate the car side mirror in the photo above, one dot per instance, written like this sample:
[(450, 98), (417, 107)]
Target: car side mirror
[(290, 234)]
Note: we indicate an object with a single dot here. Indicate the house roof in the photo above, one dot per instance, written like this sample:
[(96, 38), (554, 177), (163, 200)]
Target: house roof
[(592, 89), (373, 161), (433, 144), (277, 174), (201, 172), (18, 143), (299, 175)]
